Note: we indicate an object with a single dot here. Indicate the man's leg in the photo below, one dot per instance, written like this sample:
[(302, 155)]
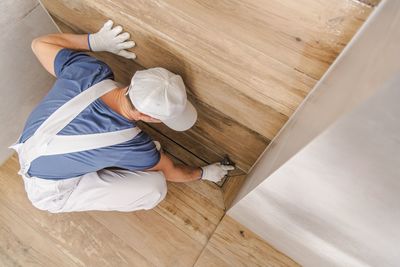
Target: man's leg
[(107, 190)]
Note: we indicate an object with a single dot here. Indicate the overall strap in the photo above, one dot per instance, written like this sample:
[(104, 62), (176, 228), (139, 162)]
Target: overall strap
[(38, 143), (63, 144), (67, 112)]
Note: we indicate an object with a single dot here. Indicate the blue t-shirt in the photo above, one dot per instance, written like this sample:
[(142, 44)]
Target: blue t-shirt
[(76, 72)]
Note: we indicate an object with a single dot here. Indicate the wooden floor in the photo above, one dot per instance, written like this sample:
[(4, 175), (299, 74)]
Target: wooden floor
[(234, 245), (175, 233)]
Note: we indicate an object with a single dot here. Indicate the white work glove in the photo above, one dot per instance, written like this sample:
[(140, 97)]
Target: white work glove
[(215, 172), (158, 145), (108, 39)]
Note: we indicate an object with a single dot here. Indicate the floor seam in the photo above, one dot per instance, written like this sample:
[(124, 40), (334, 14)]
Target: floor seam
[(208, 241)]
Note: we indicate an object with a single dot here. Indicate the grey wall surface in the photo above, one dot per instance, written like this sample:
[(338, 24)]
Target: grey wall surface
[(326, 193), (365, 64), (23, 82)]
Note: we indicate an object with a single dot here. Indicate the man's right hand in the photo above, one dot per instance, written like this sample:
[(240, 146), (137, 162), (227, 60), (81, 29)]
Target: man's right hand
[(112, 40), (215, 172)]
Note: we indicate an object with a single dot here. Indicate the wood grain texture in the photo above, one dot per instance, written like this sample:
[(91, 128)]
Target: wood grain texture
[(231, 187), (233, 245)]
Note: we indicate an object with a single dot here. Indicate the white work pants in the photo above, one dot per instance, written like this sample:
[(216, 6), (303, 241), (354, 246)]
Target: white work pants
[(108, 189)]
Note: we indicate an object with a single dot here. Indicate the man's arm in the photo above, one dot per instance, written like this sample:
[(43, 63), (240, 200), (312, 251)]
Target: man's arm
[(176, 172), (183, 173), (46, 47), (106, 39)]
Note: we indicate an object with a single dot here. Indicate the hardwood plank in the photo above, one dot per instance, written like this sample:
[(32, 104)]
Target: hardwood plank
[(155, 51), (208, 259), (234, 245), (278, 28), (209, 190), (231, 60), (22, 245), (231, 187), (157, 239), (186, 217), (211, 211)]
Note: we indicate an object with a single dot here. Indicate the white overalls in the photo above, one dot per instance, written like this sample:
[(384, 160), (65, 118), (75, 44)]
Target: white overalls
[(107, 189)]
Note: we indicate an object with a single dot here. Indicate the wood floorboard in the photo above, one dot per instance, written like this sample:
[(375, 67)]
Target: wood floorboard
[(186, 217), (233, 245), (17, 239), (231, 188), (155, 238)]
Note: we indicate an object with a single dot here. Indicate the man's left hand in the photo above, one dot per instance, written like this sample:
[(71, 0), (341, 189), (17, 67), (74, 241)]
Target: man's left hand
[(112, 40)]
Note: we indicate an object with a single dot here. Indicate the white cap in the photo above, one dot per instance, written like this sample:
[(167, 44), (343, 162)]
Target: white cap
[(161, 94)]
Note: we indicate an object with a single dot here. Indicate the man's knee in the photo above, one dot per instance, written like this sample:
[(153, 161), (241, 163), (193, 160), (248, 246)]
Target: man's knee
[(157, 191), (150, 187), (140, 190)]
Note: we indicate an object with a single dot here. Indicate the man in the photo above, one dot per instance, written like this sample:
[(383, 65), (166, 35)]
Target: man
[(80, 148)]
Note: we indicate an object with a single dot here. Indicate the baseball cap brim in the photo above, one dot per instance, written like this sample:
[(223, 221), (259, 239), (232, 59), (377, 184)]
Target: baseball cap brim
[(185, 120)]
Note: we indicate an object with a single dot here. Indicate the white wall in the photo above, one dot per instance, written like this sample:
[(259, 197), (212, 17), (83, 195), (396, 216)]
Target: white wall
[(22, 79), (326, 193)]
